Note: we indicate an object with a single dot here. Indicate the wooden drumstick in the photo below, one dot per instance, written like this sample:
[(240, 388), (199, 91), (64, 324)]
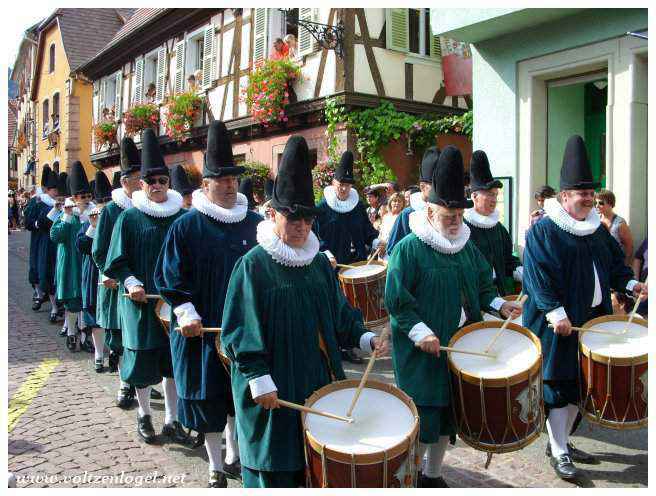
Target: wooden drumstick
[(365, 376), (633, 314), (148, 296), (597, 331), (205, 329), (373, 255), (306, 409), (346, 266), (467, 352), (520, 299)]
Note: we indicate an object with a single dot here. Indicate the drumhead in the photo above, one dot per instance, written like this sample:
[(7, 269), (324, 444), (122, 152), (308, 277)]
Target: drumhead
[(363, 271), (488, 317), (515, 353), (382, 421), (633, 344)]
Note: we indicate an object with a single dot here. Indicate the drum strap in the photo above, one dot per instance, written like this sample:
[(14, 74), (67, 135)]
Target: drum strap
[(324, 352)]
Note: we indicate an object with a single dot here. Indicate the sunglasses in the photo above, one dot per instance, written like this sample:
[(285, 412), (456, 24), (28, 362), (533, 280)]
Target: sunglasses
[(600, 203), (160, 180), (85, 196)]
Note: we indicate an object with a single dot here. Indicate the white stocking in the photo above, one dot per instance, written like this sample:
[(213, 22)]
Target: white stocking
[(98, 336), (557, 423), (213, 447), (232, 445), (170, 400), (434, 457), (71, 323), (143, 399)]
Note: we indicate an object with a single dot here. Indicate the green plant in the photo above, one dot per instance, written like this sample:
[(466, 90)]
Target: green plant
[(334, 113), (258, 172), (140, 117), (105, 133), (267, 92), (181, 112)]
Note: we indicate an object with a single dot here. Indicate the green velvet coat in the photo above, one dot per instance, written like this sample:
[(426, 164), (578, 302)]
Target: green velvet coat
[(68, 275)]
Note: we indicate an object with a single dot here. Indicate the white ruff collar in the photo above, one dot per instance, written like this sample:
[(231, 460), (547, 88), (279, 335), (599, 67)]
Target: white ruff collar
[(566, 222), (167, 208), (480, 220), (417, 202), (84, 216), (426, 232), (121, 198), (341, 206), (45, 198), (285, 254), (228, 216)]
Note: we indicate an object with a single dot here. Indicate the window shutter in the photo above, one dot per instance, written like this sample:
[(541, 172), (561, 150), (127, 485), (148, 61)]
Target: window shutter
[(261, 24), (306, 42), (160, 85), (179, 67), (435, 48), (96, 101), (118, 99), (209, 56), (101, 101), (138, 95), (397, 29)]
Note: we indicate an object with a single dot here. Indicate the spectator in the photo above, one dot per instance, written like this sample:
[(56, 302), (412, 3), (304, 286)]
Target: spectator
[(13, 210), (408, 192), (616, 225), (640, 272), (280, 50), (151, 93), (543, 193), (396, 204), (374, 200), (290, 41)]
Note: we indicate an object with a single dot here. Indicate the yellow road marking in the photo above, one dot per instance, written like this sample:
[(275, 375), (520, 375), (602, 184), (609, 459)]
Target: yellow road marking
[(29, 389)]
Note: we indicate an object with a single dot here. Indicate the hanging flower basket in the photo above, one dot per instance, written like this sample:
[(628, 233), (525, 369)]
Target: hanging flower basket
[(105, 133), (267, 92), (141, 117), (181, 112)]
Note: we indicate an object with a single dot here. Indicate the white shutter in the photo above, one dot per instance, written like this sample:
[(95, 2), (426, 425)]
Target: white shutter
[(138, 94), (118, 99), (209, 56), (397, 24), (96, 101), (101, 100), (306, 42), (261, 26), (179, 67), (160, 85)]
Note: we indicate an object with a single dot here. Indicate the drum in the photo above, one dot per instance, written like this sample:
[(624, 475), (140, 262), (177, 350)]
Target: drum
[(614, 372), (163, 311), (490, 317), (379, 449), (497, 402), (364, 288)]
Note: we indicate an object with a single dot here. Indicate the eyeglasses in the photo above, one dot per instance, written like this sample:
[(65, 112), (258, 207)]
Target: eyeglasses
[(600, 203), (151, 180), (85, 196)]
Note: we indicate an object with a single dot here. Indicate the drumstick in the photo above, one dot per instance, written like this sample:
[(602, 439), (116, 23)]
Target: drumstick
[(365, 376), (633, 314), (597, 331), (467, 352), (206, 329), (148, 296), (521, 299), (373, 255), (346, 266), (306, 409)]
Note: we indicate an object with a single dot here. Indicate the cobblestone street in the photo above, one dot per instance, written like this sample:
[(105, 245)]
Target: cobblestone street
[(63, 422)]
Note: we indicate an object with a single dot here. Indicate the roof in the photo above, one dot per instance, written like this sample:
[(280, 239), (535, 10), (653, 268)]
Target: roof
[(13, 119)]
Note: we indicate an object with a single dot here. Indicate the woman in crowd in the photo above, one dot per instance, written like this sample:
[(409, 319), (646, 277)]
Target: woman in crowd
[(543, 193), (395, 205), (616, 225)]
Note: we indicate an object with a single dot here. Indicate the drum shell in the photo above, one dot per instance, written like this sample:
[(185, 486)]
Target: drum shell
[(498, 415), (613, 389), (367, 294), (365, 470)]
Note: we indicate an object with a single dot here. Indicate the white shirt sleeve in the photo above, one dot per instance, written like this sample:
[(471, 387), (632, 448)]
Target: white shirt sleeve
[(419, 331), (186, 313), (556, 315), (91, 232), (262, 385), (518, 273), (365, 341), (630, 285), (497, 303), (596, 299), (131, 282), (53, 214), (463, 317), (329, 254)]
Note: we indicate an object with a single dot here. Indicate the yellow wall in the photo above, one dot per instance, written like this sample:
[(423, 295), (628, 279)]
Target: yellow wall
[(74, 141)]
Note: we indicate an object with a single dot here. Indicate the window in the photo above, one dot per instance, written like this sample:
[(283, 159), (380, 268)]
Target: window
[(46, 114), (408, 30), (51, 65), (193, 61), (150, 77), (55, 111)]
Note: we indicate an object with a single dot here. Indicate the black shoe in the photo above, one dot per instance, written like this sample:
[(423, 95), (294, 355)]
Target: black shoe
[(63, 331), (71, 343), (155, 394), (576, 455), (36, 304), (350, 356), (99, 366), (233, 470), (145, 429), (87, 345), (564, 467), (125, 397), (175, 433), (53, 318), (432, 482), (198, 441), (217, 479), (112, 362)]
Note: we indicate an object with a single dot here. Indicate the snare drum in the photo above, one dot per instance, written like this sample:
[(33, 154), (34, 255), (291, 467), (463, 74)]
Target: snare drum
[(491, 318), (379, 449), (364, 288), (497, 402), (614, 372), (163, 311)]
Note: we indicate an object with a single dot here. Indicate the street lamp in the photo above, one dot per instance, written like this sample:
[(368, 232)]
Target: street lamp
[(330, 37)]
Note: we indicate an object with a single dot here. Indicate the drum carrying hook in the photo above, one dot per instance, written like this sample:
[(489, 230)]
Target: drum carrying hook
[(488, 460)]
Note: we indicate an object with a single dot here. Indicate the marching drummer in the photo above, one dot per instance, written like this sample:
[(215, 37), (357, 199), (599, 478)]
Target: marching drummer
[(437, 282), (283, 323), (571, 264), (199, 253), (136, 241)]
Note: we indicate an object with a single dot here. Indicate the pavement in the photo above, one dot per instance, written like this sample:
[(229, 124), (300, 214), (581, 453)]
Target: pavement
[(64, 430)]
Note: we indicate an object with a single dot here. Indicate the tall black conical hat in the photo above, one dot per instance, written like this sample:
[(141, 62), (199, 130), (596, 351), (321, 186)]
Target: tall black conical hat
[(77, 180), (246, 189), (152, 160), (102, 191), (62, 185), (48, 179), (428, 163), (116, 179), (44, 174), (449, 180), (268, 189), (576, 172), (480, 173), (292, 189), (130, 157), (180, 181), (344, 172), (218, 157)]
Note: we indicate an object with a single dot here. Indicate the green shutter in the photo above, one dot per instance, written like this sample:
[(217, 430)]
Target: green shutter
[(397, 29)]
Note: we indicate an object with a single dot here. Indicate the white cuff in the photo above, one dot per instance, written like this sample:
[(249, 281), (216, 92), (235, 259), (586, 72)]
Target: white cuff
[(556, 315), (53, 214), (463, 317), (365, 341), (186, 313), (374, 244), (329, 254), (67, 218), (497, 303), (91, 232), (419, 331), (131, 282), (104, 278), (630, 285), (262, 385), (518, 274)]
